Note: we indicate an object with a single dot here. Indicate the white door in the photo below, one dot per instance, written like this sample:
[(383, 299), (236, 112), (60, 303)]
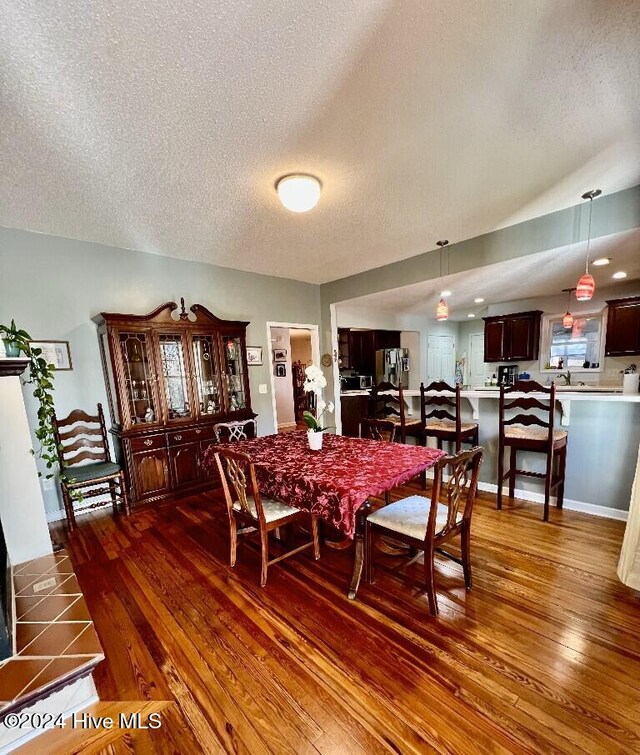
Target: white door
[(441, 359), (477, 367)]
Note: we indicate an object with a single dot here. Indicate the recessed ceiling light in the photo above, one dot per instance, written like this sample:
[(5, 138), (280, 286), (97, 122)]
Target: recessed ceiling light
[(619, 275), (299, 192), (470, 314), (479, 300), (445, 293), (601, 261)]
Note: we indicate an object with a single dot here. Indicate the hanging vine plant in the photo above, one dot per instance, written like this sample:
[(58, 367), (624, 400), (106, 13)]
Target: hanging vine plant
[(41, 375)]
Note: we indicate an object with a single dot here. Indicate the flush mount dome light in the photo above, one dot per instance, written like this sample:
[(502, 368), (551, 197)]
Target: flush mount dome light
[(299, 192), (601, 261), (478, 300), (619, 275)]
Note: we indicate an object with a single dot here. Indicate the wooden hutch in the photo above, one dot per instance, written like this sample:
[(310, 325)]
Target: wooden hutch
[(170, 379)]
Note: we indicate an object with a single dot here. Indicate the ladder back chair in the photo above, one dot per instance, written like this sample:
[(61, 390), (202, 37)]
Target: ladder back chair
[(378, 429), (531, 432), (441, 416), (81, 437), (231, 432), (386, 401), (249, 512), (427, 525)]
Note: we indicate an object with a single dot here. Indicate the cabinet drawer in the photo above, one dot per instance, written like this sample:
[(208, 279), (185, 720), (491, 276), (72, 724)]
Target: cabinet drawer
[(178, 437), (147, 443)]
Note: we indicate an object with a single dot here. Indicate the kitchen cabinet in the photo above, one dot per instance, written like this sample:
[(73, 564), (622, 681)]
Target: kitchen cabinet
[(354, 408), (357, 348), (169, 380), (514, 337), (623, 327)]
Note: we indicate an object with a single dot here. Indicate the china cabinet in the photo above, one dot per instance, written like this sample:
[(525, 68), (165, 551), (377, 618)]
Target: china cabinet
[(170, 377)]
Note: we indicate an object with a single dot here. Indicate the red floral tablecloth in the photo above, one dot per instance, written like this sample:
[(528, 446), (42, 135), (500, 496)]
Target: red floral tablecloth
[(334, 482)]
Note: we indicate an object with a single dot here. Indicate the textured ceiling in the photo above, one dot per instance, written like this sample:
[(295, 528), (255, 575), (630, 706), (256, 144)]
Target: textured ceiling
[(536, 275), (162, 126)]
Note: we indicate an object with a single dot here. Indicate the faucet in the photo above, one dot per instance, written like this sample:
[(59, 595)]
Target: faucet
[(567, 377)]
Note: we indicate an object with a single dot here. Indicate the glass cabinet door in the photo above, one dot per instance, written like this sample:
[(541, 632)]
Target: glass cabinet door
[(206, 374), (139, 378), (234, 373), (175, 377)]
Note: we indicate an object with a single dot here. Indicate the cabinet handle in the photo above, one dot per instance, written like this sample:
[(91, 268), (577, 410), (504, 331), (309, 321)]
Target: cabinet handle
[(177, 437), (148, 442), (198, 431)]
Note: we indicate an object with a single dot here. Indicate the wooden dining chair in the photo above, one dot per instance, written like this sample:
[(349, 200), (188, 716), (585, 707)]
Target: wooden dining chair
[(531, 432), (250, 512), (81, 437), (230, 432), (442, 418), (427, 525), (378, 429), (386, 401)]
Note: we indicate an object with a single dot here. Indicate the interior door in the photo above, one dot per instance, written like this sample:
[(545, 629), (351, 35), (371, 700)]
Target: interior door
[(477, 369), (441, 359)]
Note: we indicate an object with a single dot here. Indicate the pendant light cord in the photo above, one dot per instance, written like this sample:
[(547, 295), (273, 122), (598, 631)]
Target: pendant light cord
[(589, 232)]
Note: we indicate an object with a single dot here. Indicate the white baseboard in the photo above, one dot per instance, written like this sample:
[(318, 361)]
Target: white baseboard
[(534, 497), (55, 516)]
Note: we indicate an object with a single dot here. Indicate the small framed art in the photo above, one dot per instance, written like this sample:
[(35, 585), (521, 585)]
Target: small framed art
[(254, 355), (56, 353)]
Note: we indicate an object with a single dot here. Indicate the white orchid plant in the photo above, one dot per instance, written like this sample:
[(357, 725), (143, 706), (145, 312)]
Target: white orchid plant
[(314, 382)]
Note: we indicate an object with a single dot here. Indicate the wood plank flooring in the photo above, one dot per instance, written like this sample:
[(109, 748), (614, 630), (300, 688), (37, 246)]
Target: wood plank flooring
[(542, 656)]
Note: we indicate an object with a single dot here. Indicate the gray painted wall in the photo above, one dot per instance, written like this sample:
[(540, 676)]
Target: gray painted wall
[(53, 286)]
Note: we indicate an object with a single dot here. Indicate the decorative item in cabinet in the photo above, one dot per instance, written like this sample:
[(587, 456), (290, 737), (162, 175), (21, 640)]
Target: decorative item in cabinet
[(169, 380)]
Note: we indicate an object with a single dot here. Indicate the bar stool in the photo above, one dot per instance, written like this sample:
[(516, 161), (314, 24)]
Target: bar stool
[(386, 401), (445, 424), (517, 434)]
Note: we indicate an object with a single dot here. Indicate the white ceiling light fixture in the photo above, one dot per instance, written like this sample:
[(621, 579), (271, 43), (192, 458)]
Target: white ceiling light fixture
[(299, 192), (601, 261), (470, 314), (619, 275), (446, 292), (478, 300)]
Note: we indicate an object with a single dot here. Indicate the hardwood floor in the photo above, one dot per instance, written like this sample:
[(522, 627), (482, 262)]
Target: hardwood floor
[(542, 656)]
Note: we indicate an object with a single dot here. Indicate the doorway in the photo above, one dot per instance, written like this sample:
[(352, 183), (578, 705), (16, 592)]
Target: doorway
[(293, 347), (477, 367), (441, 360)]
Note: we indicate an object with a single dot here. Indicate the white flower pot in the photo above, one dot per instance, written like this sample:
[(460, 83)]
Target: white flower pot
[(315, 440)]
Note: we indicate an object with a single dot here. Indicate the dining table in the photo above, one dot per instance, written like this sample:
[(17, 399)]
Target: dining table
[(336, 482)]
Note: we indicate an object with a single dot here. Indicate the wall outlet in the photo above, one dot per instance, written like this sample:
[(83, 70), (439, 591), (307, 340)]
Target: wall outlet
[(262, 388), (47, 484)]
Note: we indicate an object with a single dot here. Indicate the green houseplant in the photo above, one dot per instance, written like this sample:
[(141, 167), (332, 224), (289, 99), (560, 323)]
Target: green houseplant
[(41, 376)]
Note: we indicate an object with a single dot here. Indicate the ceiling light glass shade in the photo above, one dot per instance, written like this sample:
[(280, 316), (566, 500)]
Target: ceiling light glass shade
[(567, 321), (470, 314), (442, 310), (601, 261), (299, 192), (585, 288), (446, 292), (479, 300), (619, 275)]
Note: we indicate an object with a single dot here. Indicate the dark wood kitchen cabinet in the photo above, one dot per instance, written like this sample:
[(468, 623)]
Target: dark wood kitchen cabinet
[(357, 348), (623, 327), (510, 338), (169, 380)]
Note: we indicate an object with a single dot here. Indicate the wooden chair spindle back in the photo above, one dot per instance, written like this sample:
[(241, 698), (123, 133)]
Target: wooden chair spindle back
[(459, 490), (431, 401), (527, 404), (238, 477), (378, 429), (75, 438)]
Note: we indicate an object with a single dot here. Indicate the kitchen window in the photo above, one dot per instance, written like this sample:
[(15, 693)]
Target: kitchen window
[(578, 348)]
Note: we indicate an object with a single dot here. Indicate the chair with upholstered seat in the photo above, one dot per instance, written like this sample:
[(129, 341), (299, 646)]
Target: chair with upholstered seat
[(81, 437), (235, 430), (256, 513), (426, 525), (531, 432), (441, 416), (386, 401)]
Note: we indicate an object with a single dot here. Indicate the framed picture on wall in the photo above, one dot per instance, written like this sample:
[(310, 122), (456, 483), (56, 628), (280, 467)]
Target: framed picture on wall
[(279, 355), (56, 353), (254, 355), (281, 369)]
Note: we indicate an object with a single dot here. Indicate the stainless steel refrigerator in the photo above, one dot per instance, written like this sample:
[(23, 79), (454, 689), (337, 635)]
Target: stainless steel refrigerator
[(392, 366)]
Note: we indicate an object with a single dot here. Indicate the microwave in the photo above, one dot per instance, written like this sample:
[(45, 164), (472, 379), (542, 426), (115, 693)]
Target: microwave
[(357, 382)]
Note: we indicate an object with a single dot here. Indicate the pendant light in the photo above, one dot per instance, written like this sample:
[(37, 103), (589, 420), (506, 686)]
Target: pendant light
[(586, 285), (567, 320), (442, 310)]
